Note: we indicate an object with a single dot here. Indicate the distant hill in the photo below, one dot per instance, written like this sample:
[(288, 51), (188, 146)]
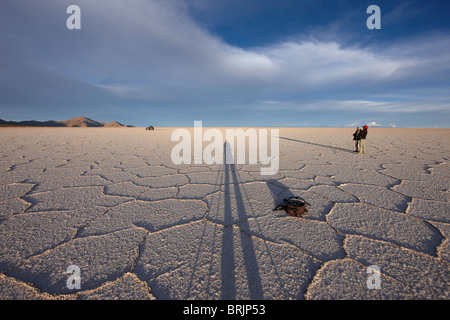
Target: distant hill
[(75, 122)]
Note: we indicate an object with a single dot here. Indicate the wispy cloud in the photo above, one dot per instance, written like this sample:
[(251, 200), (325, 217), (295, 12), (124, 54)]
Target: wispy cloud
[(404, 11), (146, 54)]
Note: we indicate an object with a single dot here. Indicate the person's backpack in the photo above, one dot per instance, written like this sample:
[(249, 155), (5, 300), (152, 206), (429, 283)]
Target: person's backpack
[(294, 206)]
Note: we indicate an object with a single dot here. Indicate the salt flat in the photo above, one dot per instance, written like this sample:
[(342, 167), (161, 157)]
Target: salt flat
[(112, 202)]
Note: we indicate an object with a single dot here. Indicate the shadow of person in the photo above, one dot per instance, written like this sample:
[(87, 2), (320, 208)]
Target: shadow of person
[(228, 263), (279, 192), (318, 145)]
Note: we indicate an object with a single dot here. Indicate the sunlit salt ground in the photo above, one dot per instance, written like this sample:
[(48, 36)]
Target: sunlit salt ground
[(112, 202)]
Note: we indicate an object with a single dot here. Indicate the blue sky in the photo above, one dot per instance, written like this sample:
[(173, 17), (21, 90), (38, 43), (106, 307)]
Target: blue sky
[(227, 63)]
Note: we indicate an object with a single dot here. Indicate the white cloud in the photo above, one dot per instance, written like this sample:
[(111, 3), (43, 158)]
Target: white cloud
[(370, 124), (156, 52), (327, 63), (147, 42)]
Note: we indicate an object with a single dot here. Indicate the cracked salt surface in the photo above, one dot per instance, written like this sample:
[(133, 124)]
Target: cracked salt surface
[(140, 227)]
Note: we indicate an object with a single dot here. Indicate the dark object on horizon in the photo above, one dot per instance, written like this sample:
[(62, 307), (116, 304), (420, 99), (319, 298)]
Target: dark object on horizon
[(150, 128), (294, 206)]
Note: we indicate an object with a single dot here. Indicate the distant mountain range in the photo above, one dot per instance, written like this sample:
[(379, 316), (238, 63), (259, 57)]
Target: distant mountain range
[(75, 122)]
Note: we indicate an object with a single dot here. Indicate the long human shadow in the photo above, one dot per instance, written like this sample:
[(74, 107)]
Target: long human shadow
[(317, 144), (228, 289)]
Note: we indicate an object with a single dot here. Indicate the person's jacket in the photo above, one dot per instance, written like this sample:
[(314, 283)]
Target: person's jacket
[(356, 135), (363, 134)]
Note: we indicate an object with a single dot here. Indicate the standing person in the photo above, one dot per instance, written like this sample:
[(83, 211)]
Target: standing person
[(356, 138), (362, 141)]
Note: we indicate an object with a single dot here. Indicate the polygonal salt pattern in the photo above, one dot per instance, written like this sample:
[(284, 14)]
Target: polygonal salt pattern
[(139, 226)]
